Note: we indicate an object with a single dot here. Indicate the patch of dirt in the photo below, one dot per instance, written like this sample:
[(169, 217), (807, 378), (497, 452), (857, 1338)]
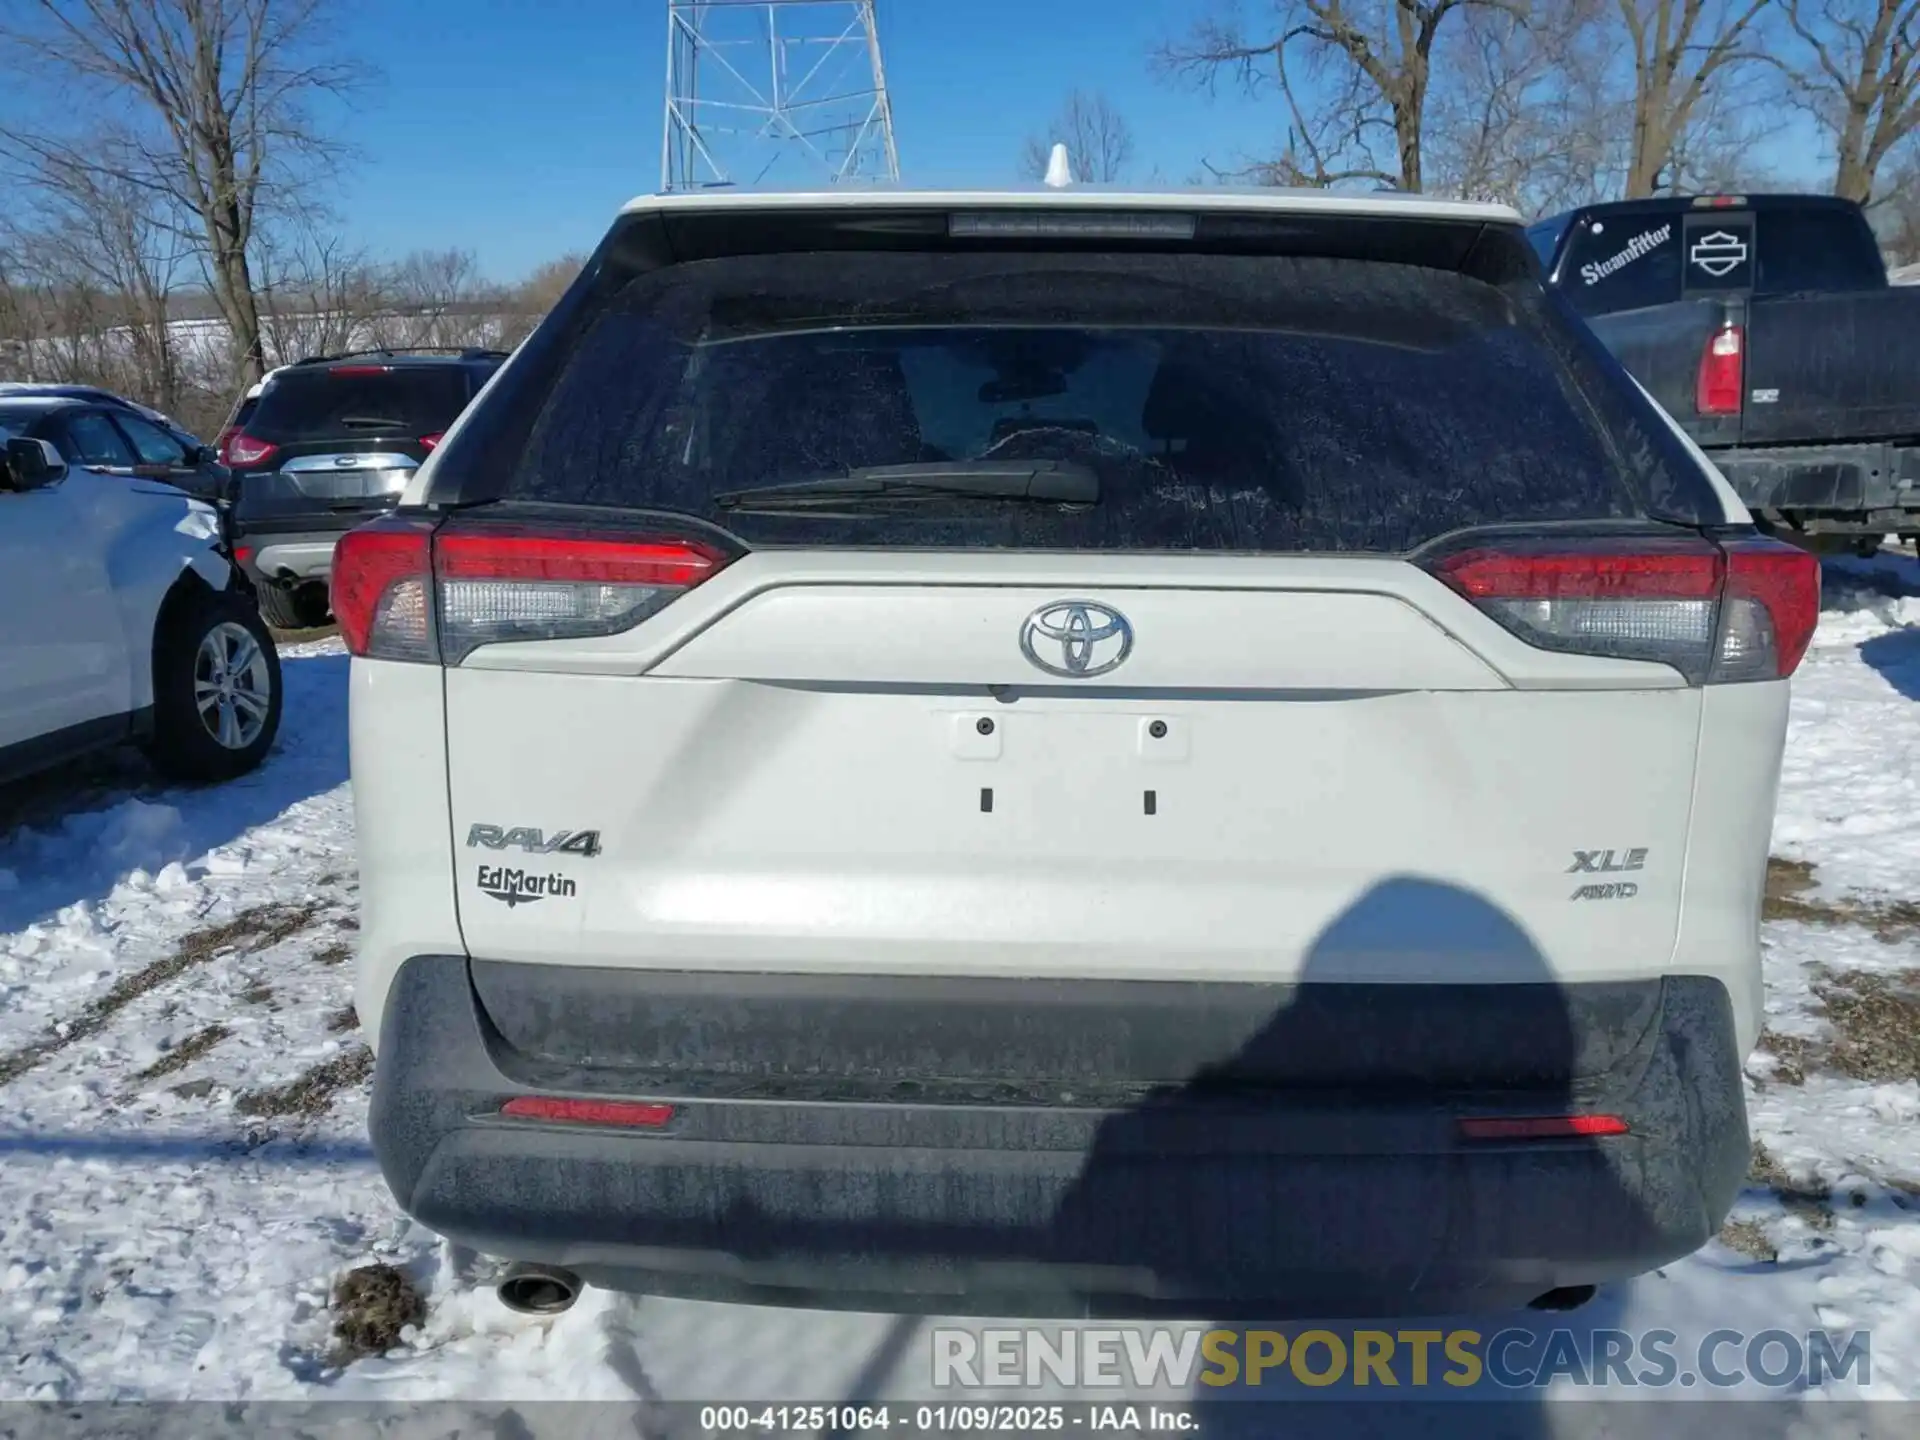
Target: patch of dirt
[(372, 1305), (1810, 1199), (257, 929), (333, 954), (1750, 1239), (1876, 1024), (1791, 1053), (257, 994), (302, 637), (185, 1053), (310, 1094), (1788, 882), (194, 1089), (342, 1020)]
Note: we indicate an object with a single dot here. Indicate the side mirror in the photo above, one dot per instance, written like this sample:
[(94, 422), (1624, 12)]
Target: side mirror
[(203, 455), (32, 464)]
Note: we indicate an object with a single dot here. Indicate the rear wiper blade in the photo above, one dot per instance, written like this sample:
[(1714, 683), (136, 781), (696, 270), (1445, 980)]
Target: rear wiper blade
[(1046, 481), (372, 422)]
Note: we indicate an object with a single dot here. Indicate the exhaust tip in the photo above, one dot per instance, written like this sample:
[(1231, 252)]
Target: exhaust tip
[(539, 1290), (1563, 1297)]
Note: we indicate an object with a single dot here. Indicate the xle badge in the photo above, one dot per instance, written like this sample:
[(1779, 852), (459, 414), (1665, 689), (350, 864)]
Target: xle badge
[(521, 887), (1603, 862), (535, 842)]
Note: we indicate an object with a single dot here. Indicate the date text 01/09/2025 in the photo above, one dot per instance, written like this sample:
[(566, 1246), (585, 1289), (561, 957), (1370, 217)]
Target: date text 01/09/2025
[(946, 1419)]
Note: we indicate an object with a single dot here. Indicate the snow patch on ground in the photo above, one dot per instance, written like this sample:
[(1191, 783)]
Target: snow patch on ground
[(175, 1206)]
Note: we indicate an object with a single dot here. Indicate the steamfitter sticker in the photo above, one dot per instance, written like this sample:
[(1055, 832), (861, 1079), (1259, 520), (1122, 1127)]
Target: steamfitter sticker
[(1594, 271)]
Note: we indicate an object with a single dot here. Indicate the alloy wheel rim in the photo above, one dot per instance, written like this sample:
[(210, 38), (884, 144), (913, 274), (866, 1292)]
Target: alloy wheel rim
[(232, 689)]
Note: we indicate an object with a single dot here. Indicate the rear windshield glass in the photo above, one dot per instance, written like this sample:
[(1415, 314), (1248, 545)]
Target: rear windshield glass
[(1222, 402), (1816, 249), (322, 403)]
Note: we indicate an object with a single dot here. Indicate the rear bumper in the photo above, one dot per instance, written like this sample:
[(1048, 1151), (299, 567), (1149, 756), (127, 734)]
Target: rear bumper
[(290, 557), (1869, 488), (1015, 1145)]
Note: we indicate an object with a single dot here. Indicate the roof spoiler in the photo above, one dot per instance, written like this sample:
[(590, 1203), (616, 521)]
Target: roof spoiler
[(465, 352)]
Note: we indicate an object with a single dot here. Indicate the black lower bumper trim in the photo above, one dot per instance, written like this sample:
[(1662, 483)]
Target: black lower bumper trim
[(1242, 1186)]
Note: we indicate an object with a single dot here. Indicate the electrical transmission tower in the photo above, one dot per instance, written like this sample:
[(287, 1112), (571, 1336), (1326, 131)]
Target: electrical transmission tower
[(785, 92)]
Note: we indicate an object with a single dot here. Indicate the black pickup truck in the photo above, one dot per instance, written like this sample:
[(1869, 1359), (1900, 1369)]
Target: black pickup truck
[(1765, 326)]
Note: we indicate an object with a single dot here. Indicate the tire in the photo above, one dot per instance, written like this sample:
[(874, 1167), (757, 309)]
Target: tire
[(312, 605), (282, 608), (213, 646)]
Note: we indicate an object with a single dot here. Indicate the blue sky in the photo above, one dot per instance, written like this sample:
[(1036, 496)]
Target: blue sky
[(515, 128)]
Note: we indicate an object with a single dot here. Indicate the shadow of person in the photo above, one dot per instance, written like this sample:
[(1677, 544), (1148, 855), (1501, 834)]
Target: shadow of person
[(1896, 655), (1322, 1171)]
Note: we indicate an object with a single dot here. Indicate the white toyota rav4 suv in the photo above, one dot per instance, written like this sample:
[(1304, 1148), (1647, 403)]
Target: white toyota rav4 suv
[(1079, 751)]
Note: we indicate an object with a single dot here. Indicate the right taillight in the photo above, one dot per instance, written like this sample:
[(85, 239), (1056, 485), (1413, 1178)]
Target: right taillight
[(1770, 608), (243, 449), (402, 591), (1719, 614), (1722, 372)]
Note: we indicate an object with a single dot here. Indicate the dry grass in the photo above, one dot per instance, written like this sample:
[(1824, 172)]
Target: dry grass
[(333, 954), (1792, 1054), (1788, 882), (257, 929), (310, 1094), (1876, 1024), (342, 1020), (185, 1053), (372, 1305), (1811, 1200), (1750, 1239)]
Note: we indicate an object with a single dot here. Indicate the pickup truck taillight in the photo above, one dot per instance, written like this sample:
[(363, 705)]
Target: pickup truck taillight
[(1739, 610), (1722, 372), (402, 591)]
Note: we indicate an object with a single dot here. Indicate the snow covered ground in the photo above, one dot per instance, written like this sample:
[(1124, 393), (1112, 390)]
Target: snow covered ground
[(184, 1172)]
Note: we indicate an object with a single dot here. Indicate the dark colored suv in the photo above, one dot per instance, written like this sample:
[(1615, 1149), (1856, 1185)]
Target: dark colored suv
[(331, 442)]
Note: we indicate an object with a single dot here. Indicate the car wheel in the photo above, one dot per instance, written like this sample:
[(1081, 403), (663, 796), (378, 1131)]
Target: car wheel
[(313, 606), (281, 607), (216, 690)]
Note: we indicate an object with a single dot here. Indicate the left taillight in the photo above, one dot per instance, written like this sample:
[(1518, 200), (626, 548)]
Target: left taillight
[(381, 589), (427, 442), (243, 449), (404, 591)]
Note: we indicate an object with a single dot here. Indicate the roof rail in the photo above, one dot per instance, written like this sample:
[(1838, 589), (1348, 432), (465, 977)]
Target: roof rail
[(465, 352)]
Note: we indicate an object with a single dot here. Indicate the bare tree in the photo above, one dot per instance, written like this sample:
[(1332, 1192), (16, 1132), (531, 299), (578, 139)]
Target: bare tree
[(101, 236), (215, 95), (1501, 122), (1857, 75), (438, 298), (1680, 50), (528, 302), (1098, 139), (317, 294), (1355, 78)]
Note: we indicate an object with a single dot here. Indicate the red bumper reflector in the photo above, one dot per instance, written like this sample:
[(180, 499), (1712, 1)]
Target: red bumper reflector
[(1541, 1127), (631, 1113)]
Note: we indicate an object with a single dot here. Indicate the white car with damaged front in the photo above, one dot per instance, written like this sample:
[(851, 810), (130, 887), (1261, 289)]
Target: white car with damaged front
[(123, 618)]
